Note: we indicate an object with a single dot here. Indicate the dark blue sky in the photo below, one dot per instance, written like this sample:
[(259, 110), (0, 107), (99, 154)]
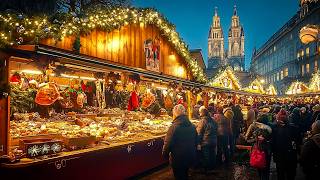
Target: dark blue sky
[(260, 19)]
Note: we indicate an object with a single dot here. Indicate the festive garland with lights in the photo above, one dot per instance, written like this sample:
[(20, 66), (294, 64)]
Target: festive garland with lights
[(222, 74), (259, 90), (293, 88), (16, 29), (315, 82), (271, 90)]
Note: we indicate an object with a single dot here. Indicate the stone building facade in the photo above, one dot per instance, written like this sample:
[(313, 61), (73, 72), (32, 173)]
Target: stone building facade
[(217, 55), (283, 58)]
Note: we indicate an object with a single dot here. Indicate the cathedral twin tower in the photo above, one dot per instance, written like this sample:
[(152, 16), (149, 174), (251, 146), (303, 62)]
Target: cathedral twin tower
[(234, 56)]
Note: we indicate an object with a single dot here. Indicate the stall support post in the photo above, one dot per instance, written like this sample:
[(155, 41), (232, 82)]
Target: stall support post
[(4, 105), (189, 104)]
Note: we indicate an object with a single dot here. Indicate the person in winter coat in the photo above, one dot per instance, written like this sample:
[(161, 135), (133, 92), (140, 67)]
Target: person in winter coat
[(284, 142), (207, 138), (306, 119), (251, 117), (316, 112), (296, 120), (195, 113), (237, 121), (259, 134), (310, 154), (222, 138), (180, 143), (229, 115)]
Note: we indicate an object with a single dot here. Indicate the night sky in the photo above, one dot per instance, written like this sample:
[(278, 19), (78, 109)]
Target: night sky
[(192, 18)]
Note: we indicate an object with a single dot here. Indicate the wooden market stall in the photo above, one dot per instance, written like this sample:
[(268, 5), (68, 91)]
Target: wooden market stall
[(96, 98)]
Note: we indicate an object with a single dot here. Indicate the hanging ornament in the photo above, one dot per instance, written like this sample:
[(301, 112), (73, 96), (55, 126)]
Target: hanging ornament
[(20, 29), (19, 40)]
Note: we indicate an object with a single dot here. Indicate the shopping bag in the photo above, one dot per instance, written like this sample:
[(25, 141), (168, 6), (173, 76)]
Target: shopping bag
[(258, 158)]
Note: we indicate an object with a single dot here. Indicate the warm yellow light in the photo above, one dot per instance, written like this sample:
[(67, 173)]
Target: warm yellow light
[(180, 71), (114, 45), (31, 71), (172, 57)]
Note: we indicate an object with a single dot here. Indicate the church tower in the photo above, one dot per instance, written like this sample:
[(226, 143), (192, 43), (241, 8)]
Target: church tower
[(215, 42), (236, 43)]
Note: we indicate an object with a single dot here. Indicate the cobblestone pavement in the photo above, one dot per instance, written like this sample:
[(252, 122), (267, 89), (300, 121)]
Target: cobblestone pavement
[(221, 173)]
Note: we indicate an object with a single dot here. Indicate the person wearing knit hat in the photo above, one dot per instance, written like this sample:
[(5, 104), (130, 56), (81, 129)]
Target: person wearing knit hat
[(180, 143), (284, 146), (310, 156), (282, 116)]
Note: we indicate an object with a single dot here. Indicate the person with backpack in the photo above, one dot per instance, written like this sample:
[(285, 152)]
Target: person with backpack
[(310, 153), (259, 134), (207, 139), (284, 146)]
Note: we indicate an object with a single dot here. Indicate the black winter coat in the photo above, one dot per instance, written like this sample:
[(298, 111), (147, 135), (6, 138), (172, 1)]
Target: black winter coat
[(284, 144), (207, 131), (310, 157), (181, 142)]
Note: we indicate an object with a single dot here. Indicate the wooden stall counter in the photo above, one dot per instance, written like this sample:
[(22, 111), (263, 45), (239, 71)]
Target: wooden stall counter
[(116, 161)]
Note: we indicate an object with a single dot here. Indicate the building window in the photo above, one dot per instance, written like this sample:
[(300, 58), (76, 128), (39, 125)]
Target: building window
[(307, 68), (302, 69), (298, 55), (315, 65), (286, 72), (281, 75), (278, 76), (302, 53), (307, 52)]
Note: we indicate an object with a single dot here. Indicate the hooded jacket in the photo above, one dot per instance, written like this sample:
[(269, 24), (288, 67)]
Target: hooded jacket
[(181, 142)]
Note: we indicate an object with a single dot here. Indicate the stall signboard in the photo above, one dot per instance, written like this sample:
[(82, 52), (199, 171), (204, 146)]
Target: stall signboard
[(37, 148), (152, 54)]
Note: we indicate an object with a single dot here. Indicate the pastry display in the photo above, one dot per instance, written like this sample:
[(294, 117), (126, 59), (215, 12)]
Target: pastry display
[(130, 126)]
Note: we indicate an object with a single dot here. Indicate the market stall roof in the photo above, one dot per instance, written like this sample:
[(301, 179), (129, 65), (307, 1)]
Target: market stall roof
[(255, 87), (225, 78), (297, 88), (271, 90), (315, 82), (32, 29)]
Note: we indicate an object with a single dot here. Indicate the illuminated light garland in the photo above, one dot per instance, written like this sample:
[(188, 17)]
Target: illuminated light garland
[(17, 29), (297, 88), (271, 90), (222, 75), (315, 82), (259, 88)]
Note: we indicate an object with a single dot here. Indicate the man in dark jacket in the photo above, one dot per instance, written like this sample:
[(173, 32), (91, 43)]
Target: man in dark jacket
[(284, 142), (306, 118), (180, 143), (207, 138), (310, 154)]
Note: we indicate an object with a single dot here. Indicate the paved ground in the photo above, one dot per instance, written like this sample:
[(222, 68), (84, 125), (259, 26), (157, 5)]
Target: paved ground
[(221, 173)]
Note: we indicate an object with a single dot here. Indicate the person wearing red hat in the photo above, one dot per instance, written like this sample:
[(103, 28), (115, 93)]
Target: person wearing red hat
[(284, 146)]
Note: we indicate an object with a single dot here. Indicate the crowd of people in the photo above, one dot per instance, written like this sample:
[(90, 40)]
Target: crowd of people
[(288, 135)]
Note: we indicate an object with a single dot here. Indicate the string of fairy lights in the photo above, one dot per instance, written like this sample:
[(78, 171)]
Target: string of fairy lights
[(16, 29)]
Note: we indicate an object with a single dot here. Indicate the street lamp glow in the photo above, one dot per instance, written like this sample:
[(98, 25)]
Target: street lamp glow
[(309, 33)]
